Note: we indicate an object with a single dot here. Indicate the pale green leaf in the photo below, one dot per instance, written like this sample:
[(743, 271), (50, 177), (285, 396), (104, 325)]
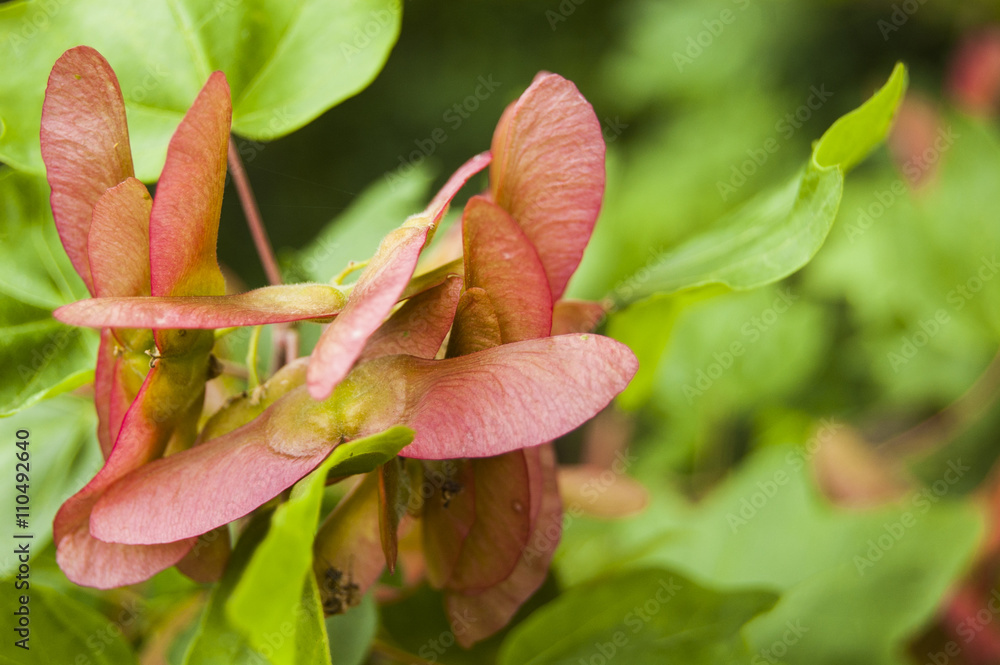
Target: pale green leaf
[(287, 62), (856, 585), (778, 232)]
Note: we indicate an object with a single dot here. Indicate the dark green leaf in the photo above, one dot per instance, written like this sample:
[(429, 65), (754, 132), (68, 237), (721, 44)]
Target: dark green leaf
[(62, 630), (351, 633), (42, 357), (645, 617), (850, 598)]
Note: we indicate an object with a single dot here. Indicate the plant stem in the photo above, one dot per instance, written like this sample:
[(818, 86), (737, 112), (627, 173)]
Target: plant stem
[(252, 213), (253, 380), (352, 266), (291, 345)]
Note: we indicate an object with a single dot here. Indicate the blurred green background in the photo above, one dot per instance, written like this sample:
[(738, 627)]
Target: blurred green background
[(789, 466)]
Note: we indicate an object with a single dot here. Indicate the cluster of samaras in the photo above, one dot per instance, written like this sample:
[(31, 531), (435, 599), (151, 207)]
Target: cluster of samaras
[(474, 353)]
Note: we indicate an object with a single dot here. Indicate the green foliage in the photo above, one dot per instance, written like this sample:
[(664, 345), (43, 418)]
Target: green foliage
[(913, 260), (216, 640), (778, 232), (41, 356), (646, 617), (287, 62), (763, 241), (351, 633), (855, 585), (64, 455), (268, 592), (681, 235), (63, 630), (646, 328)]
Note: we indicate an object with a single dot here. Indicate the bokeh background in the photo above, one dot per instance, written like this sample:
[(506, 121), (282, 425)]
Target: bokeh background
[(844, 459)]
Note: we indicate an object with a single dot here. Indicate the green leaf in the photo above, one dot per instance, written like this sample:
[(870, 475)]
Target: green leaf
[(356, 233), (778, 232), (351, 633), (367, 454), (851, 598), (898, 267), (269, 590), (62, 630), (34, 269), (298, 638), (418, 624), (287, 62), (43, 357), (216, 640), (646, 617), (63, 455)]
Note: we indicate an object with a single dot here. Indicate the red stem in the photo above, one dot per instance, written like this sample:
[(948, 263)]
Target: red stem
[(252, 213)]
